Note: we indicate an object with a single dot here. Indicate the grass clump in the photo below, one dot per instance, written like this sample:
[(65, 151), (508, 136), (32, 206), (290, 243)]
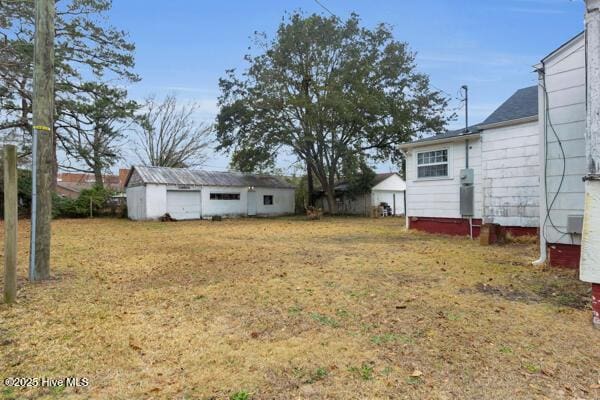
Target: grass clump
[(390, 338), (324, 320), (532, 368), (365, 371), (241, 395)]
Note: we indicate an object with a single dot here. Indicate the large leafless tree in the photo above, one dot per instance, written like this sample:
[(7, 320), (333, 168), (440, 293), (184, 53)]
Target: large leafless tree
[(168, 134)]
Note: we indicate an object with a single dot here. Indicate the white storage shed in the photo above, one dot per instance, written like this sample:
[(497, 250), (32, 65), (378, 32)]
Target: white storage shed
[(387, 188), (193, 194)]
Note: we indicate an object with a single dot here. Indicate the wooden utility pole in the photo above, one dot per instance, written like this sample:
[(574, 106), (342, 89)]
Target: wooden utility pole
[(10, 223), (43, 136)]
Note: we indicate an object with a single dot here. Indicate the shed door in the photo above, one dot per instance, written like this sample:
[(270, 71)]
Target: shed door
[(184, 204), (252, 205)]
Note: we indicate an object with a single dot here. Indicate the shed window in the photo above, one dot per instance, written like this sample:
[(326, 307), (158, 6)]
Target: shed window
[(431, 164), (268, 200), (224, 196)]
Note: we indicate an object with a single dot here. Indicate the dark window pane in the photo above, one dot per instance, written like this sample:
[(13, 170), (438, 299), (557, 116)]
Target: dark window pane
[(224, 196), (430, 171)]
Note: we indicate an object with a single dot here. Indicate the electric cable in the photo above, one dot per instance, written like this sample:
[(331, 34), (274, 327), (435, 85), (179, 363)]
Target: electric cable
[(548, 122)]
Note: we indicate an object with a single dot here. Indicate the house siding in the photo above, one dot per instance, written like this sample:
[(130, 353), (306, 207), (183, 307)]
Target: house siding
[(511, 175), (565, 80), (283, 201), (440, 198)]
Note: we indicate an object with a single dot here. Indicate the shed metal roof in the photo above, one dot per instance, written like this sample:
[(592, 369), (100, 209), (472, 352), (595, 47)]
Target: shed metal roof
[(183, 176)]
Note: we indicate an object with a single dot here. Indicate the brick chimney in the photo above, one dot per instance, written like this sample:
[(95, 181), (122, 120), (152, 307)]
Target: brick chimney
[(123, 172)]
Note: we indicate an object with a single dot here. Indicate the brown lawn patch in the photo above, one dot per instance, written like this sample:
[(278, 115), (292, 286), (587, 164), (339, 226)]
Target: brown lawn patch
[(287, 308)]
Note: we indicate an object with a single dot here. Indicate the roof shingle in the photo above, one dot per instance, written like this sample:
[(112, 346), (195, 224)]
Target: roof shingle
[(522, 104)]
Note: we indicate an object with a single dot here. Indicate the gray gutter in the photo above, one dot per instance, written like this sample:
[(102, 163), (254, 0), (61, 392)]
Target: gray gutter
[(458, 138), (517, 121)]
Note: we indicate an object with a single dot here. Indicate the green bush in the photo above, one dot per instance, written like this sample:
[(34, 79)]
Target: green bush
[(23, 189), (95, 199)]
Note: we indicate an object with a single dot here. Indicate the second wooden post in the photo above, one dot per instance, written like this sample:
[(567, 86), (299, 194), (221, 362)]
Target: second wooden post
[(10, 223)]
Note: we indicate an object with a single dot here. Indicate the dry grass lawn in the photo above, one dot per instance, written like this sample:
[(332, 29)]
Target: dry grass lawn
[(294, 309)]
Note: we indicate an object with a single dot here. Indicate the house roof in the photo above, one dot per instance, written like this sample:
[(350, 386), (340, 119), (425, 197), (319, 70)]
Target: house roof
[(78, 177), (382, 177), (76, 182), (522, 104), (343, 185), (472, 131), (183, 176)]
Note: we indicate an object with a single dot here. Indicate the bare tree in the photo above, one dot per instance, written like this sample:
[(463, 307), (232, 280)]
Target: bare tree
[(169, 136)]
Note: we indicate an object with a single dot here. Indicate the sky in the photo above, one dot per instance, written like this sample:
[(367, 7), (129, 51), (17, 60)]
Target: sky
[(185, 46)]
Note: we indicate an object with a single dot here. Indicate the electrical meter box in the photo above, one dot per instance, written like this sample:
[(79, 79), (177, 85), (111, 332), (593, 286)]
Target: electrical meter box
[(575, 224), (467, 192), (467, 176)]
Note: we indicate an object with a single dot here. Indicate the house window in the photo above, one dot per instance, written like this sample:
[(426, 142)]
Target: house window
[(432, 164), (224, 196), (268, 200)]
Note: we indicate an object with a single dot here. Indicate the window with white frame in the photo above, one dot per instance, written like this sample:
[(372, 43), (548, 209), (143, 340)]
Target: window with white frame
[(432, 164)]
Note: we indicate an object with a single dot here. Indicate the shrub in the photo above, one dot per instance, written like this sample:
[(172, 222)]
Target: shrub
[(23, 190), (94, 200)]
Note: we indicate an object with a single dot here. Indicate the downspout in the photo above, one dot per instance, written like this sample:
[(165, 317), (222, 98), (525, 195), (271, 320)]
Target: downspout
[(405, 164), (467, 167), (589, 270), (466, 89), (542, 125)]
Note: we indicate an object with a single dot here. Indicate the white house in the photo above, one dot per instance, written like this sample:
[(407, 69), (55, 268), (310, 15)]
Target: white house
[(497, 165), (191, 194), (562, 89), (387, 188)]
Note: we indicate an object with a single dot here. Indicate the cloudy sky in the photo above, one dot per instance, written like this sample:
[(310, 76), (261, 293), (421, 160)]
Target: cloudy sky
[(184, 46)]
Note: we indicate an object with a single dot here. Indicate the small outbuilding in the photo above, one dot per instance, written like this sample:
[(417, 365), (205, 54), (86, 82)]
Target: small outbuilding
[(388, 190), (194, 194)]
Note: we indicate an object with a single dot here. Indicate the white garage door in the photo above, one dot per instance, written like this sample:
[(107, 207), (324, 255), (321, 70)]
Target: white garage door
[(184, 205)]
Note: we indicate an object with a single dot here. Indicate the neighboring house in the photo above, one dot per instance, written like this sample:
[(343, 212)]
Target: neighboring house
[(562, 88), (497, 161), (387, 188), (192, 194), (70, 184)]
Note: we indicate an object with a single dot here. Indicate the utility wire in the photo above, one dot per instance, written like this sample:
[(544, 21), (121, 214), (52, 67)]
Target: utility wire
[(325, 8), (548, 122)]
